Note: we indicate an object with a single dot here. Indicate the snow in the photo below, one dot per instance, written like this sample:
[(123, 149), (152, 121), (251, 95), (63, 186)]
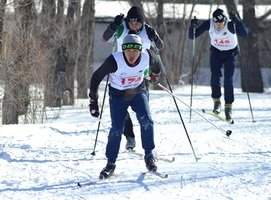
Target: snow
[(45, 161)]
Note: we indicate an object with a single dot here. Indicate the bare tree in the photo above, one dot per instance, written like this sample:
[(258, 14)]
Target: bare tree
[(17, 80), (2, 15), (85, 47), (48, 34)]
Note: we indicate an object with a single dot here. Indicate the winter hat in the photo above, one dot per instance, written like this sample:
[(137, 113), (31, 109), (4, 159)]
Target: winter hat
[(132, 41), (135, 14), (218, 15)]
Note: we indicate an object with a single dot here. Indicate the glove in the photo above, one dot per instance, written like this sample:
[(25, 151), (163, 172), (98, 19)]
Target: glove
[(152, 34), (154, 78), (118, 19), (233, 17), (194, 22), (94, 108)]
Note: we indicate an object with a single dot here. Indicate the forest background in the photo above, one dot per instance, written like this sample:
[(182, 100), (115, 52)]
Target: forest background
[(47, 48)]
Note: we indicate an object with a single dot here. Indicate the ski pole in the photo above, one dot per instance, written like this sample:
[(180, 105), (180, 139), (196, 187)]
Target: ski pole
[(228, 132), (99, 123), (164, 71), (248, 96), (192, 74)]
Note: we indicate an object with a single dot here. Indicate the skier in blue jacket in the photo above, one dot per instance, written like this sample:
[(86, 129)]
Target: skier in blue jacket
[(224, 50), (127, 70)]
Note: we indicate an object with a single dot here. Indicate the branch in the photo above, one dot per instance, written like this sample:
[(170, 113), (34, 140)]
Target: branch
[(264, 17)]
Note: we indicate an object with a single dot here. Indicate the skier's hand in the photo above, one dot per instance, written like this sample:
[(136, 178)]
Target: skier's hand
[(153, 78), (233, 17), (194, 22), (94, 108), (118, 19)]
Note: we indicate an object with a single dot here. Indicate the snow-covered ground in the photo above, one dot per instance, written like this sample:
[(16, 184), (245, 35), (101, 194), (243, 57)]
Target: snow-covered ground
[(45, 161)]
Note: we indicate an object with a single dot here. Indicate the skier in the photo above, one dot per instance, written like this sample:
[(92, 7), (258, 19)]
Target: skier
[(127, 88), (118, 30), (224, 50)]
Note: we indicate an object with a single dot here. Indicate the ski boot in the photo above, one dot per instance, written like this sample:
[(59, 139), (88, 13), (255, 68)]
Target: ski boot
[(130, 143), (107, 171), (217, 106), (150, 162), (228, 113)]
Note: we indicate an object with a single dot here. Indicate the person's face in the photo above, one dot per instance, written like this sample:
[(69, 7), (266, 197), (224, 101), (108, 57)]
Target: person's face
[(131, 55), (135, 26), (219, 25)]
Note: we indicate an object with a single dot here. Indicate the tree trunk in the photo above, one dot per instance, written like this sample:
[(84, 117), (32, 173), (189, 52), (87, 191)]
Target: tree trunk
[(251, 77), (71, 43), (48, 30), (85, 48), (2, 15), (18, 76)]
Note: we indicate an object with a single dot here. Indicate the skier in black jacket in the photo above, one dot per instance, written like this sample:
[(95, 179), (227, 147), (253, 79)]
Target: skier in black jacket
[(118, 30), (127, 70)]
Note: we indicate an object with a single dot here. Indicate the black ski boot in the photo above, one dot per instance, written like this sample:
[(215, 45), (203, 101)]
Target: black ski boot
[(150, 162), (217, 106), (130, 144), (228, 112), (107, 171)]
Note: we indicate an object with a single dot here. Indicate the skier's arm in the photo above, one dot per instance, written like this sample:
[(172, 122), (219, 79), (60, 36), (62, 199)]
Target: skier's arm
[(153, 36), (155, 64), (241, 29), (205, 26), (109, 66), (112, 28)]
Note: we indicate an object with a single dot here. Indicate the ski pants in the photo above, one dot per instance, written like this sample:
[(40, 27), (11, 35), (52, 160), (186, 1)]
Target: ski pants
[(128, 126), (118, 111), (218, 59)]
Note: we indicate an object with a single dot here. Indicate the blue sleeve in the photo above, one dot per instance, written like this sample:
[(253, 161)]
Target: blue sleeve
[(205, 26), (241, 29)]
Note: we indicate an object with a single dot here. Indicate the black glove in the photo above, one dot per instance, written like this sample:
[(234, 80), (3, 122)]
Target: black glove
[(118, 19), (233, 17), (152, 34), (194, 22), (94, 108), (154, 78)]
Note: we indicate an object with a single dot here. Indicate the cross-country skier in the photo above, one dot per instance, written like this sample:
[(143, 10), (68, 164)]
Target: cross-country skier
[(224, 49), (127, 88), (118, 30)]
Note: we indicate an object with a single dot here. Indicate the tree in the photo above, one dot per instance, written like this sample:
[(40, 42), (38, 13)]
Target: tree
[(2, 15), (16, 96), (85, 47)]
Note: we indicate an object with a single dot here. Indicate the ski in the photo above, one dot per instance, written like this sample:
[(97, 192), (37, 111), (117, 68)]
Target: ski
[(141, 155), (82, 185), (97, 180), (218, 116), (156, 173)]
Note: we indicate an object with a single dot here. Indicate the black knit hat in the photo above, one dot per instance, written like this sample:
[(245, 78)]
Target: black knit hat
[(135, 14), (218, 15)]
